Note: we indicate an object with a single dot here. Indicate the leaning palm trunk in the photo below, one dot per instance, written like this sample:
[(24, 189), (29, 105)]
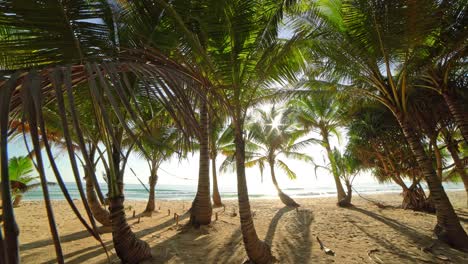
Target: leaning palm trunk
[(349, 193), (150, 206), (99, 213), (128, 247), (17, 200), (9, 245), (459, 166), (216, 197), (257, 250), (341, 195), (448, 226), (201, 211), (288, 201), (459, 115)]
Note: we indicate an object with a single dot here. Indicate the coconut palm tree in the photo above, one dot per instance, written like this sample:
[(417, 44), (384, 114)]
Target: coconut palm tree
[(163, 142), (82, 55), (220, 136), (272, 134), (21, 171), (322, 113), (348, 167), (374, 46), (237, 46)]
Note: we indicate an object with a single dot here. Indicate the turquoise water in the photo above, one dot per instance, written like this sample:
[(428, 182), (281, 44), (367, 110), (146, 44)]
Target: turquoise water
[(187, 192)]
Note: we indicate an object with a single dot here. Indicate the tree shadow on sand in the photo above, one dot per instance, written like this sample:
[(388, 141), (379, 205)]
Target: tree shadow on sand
[(274, 223), (296, 245), (85, 254), (417, 238), (197, 245)]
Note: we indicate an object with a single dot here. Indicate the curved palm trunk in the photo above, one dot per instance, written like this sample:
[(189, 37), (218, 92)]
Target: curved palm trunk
[(288, 201), (216, 197), (201, 211), (17, 200), (459, 115), (341, 195), (257, 250), (9, 245), (99, 213), (153, 179), (128, 247), (448, 226), (459, 166)]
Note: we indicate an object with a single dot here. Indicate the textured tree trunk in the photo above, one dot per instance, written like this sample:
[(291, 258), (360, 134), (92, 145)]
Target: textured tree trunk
[(414, 198), (459, 114), (216, 197), (341, 195), (349, 194), (153, 179), (9, 251), (448, 226), (128, 247), (459, 166), (99, 213), (257, 251), (17, 200), (201, 211), (288, 201), (438, 156)]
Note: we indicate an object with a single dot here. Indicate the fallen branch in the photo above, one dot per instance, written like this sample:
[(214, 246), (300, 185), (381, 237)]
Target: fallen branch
[(325, 249)]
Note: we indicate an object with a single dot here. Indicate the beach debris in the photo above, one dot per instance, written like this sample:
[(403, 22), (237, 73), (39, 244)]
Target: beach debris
[(442, 257), (324, 248), (374, 259), (176, 218), (234, 213)]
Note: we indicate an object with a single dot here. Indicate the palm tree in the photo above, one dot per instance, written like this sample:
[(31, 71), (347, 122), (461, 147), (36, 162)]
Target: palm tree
[(321, 113), (163, 142), (443, 61), (376, 139), (220, 136), (348, 167), (453, 148), (237, 46), (21, 170), (272, 134), (374, 46), (83, 55)]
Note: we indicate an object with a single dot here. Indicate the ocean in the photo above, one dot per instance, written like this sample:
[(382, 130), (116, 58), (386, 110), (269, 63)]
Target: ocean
[(187, 192)]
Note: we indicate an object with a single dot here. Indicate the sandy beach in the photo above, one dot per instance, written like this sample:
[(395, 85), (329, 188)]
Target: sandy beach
[(361, 234)]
